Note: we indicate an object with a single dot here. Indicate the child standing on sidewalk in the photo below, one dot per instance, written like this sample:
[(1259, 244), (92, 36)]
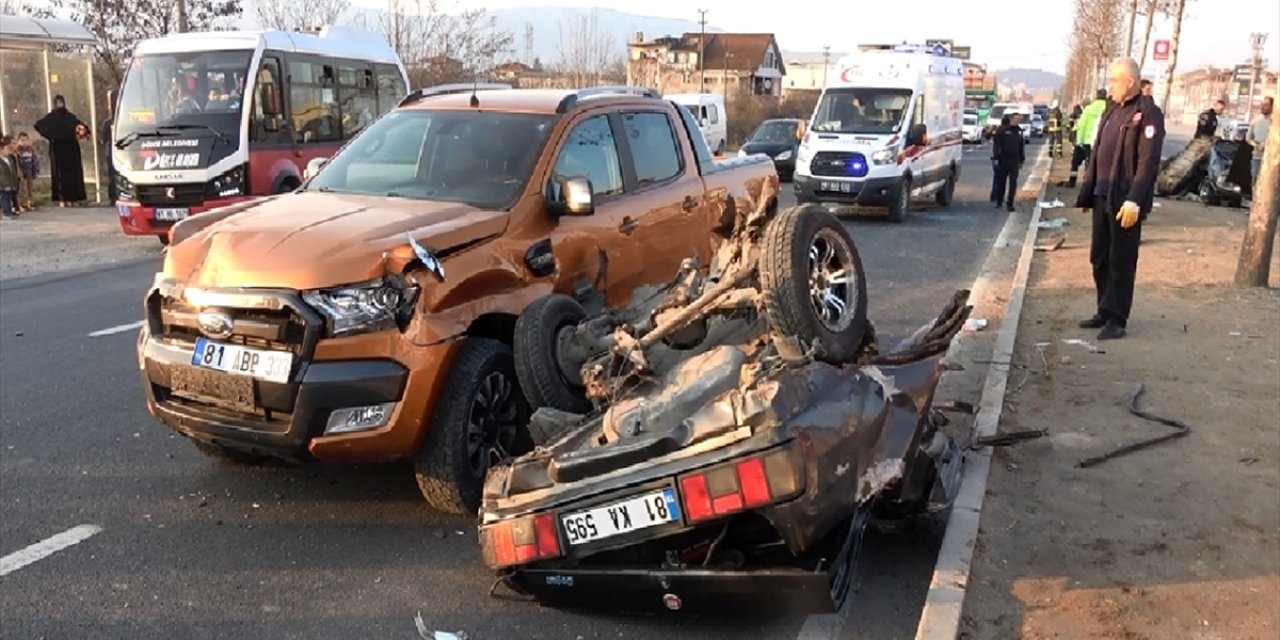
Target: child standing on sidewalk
[(8, 177), (29, 169)]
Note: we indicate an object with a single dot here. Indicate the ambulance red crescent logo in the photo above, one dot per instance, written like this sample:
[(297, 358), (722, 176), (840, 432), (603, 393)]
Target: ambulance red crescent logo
[(848, 71)]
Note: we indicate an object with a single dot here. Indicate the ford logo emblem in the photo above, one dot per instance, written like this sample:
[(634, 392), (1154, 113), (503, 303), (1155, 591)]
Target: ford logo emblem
[(215, 324)]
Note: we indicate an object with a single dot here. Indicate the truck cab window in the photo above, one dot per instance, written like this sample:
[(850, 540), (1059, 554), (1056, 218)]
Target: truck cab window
[(590, 152), (653, 147)]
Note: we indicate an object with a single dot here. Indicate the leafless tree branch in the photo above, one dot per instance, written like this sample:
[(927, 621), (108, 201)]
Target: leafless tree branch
[(301, 16)]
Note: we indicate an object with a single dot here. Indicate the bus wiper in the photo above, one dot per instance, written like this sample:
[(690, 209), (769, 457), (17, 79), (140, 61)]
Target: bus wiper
[(134, 135), (182, 127)]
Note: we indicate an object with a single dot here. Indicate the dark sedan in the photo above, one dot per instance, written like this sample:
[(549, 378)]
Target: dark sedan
[(778, 138)]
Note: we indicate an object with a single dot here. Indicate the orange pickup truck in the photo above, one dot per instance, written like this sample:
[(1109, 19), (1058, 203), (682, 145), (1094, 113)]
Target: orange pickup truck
[(371, 315)]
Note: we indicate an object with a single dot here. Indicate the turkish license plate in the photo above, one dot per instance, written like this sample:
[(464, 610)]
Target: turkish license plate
[(839, 187), (170, 215), (273, 366), (632, 514)]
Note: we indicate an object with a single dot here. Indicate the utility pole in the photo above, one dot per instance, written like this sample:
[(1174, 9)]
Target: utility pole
[(826, 58), (182, 15), (1254, 267), (1128, 43), (1257, 41), (702, 53)]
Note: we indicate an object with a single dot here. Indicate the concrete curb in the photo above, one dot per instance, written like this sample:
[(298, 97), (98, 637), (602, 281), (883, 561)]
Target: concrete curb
[(944, 603)]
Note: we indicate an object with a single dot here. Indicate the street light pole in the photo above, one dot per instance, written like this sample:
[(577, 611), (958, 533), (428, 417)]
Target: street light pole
[(1133, 17), (1257, 41), (826, 57), (702, 53)]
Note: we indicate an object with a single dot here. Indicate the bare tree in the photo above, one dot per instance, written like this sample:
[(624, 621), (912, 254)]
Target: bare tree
[(1149, 12), (1254, 267), (588, 54), (440, 46), (1179, 8), (120, 24), (301, 16)]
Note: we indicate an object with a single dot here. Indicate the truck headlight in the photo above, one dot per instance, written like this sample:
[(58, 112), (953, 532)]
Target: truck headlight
[(785, 155), (887, 155), (365, 307)]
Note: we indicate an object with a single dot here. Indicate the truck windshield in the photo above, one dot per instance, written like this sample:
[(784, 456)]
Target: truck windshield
[(482, 159), (997, 112), (872, 111), (198, 94)]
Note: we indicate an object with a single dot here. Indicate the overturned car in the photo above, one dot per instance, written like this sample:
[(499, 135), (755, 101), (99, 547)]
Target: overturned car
[(726, 444)]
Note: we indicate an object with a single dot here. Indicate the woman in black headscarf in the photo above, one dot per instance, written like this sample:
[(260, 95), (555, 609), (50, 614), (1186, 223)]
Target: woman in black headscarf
[(64, 131)]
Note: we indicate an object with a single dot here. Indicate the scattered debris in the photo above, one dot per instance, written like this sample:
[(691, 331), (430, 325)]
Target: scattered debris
[(1083, 343), (1053, 246), (975, 324), (427, 634), (1008, 438), (1056, 223), (1052, 205), (1182, 430)]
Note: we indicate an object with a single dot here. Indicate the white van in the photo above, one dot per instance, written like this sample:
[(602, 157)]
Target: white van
[(712, 119), (887, 128)]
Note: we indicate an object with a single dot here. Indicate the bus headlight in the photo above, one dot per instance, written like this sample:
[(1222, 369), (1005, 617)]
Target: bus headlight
[(231, 183)]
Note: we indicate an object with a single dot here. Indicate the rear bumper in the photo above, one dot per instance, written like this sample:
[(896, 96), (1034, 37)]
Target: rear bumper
[(870, 191), (689, 590), (140, 220)]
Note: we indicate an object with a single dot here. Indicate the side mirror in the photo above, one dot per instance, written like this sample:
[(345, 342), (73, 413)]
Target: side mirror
[(702, 122), (917, 135), (271, 101), (314, 167), (571, 197)]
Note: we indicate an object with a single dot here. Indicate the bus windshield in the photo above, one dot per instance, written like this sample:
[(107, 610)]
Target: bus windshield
[(479, 158), (196, 94), (871, 111)]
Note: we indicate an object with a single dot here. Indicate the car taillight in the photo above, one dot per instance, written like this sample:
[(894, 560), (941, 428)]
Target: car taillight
[(520, 541), (744, 484)]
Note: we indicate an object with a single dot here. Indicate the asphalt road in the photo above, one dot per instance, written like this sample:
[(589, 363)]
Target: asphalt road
[(184, 547)]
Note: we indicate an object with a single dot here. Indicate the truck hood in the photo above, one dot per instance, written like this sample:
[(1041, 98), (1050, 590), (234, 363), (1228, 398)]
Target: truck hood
[(317, 240)]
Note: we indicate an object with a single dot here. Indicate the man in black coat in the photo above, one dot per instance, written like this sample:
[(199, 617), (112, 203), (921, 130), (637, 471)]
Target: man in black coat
[(1008, 153), (1207, 124), (1119, 187)]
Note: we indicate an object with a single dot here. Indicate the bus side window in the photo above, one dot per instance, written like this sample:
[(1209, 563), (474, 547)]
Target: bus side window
[(391, 87), (358, 96), (268, 105), (313, 103)]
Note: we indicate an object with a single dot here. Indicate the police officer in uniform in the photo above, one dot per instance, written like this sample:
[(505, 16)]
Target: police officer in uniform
[(1008, 154), (1119, 187), (1207, 125)]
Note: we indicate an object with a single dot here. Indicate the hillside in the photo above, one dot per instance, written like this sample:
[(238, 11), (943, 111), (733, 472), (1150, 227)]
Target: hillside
[(1034, 79)]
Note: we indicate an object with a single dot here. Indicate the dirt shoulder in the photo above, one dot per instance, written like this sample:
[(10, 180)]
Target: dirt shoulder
[(52, 240), (1180, 540)]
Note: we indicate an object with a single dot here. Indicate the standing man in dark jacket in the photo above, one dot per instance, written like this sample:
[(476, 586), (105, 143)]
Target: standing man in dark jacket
[(1008, 153), (1119, 187)]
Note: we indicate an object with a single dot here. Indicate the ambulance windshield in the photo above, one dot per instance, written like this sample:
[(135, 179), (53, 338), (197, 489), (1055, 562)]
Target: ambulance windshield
[(861, 110)]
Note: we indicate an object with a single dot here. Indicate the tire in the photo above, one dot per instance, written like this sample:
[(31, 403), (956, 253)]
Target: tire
[(947, 193), (1207, 195), (164, 240), (233, 456), (536, 350), (901, 203), (788, 277), (450, 475)]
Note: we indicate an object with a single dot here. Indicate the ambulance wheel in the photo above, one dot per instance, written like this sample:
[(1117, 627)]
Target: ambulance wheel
[(947, 193), (813, 283), (901, 203)]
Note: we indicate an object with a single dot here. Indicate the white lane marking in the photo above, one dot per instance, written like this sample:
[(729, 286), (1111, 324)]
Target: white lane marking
[(47, 547), (120, 328)]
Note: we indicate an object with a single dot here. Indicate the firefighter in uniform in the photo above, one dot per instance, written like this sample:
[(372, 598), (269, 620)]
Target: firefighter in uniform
[(1118, 188), (1055, 133)]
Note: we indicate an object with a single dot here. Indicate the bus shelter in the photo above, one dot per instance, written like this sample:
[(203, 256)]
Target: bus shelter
[(41, 58)]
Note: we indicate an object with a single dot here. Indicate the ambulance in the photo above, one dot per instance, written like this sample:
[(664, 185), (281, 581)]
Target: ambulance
[(887, 128)]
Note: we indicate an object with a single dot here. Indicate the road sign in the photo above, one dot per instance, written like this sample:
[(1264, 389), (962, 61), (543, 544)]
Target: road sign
[(1160, 51), (1243, 73), (960, 52)]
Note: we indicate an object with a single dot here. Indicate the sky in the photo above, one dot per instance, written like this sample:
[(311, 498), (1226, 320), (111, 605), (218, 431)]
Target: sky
[(1217, 35)]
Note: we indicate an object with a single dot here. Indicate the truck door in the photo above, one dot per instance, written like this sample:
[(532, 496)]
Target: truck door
[(598, 249), (666, 194)]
